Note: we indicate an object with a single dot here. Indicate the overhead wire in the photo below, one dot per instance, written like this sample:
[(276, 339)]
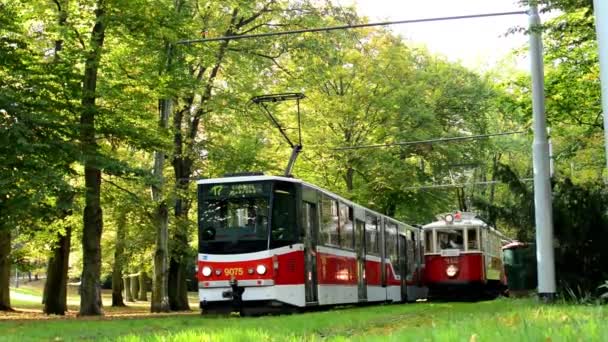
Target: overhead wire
[(346, 27), (429, 141)]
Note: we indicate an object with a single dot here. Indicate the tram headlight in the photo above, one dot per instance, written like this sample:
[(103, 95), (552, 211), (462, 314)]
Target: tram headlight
[(451, 271), (261, 269), (218, 272), (206, 271)]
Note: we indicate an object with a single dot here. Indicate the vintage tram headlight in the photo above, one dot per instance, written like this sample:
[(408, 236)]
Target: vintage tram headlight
[(261, 269), (451, 270), (218, 272), (206, 271)]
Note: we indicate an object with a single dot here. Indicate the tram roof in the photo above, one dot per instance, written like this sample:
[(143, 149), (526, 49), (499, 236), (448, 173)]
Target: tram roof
[(468, 219), (258, 178), (465, 221)]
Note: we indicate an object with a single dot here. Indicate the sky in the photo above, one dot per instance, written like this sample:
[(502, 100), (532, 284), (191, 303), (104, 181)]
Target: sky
[(476, 43)]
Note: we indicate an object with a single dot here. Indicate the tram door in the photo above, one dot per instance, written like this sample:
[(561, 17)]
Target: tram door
[(310, 227), (360, 247), (403, 263)]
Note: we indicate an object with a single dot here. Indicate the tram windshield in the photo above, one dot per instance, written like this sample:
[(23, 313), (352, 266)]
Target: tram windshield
[(235, 217), (450, 239), (453, 238)]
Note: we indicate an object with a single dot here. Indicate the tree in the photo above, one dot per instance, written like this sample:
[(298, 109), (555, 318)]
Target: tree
[(35, 147), (90, 300)]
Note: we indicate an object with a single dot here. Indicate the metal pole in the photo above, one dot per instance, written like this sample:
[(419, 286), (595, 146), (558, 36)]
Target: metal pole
[(540, 151), (600, 7)]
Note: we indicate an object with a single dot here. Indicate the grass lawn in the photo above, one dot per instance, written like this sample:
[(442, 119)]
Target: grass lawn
[(28, 299), (499, 320)]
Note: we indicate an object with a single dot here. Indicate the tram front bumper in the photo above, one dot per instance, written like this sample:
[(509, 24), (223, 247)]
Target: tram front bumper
[(242, 290)]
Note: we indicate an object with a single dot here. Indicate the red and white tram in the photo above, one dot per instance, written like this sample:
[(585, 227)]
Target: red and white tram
[(463, 257), (270, 242)]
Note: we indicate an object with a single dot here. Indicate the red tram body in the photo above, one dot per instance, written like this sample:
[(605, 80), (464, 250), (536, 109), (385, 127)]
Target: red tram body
[(463, 258), (270, 242)]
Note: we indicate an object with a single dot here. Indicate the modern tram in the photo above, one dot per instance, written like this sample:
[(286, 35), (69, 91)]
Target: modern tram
[(269, 243), (463, 258)]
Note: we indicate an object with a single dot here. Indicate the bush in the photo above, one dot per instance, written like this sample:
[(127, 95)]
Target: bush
[(106, 281), (581, 233)]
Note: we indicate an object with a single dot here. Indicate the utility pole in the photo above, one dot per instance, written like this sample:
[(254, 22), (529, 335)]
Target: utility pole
[(540, 151), (600, 7)]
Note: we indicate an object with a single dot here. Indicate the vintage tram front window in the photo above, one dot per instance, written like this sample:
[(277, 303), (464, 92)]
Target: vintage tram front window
[(234, 217), (450, 239), (473, 239)]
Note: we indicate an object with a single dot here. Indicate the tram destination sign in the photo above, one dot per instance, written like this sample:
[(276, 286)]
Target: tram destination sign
[(236, 190)]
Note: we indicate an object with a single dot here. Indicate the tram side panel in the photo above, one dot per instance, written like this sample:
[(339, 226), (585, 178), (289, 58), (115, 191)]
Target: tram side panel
[(337, 276)]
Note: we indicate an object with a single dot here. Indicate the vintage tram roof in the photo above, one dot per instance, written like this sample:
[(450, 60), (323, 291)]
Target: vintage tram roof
[(468, 219), (257, 178)]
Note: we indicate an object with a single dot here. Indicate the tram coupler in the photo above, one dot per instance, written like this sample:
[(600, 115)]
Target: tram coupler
[(237, 295)]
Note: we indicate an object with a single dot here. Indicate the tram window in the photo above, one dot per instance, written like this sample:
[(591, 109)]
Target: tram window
[(450, 239), (411, 250), (346, 226), (428, 242), (330, 234), (391, 245), (473, 241), (372, 245), (235, 219), (284, 223)]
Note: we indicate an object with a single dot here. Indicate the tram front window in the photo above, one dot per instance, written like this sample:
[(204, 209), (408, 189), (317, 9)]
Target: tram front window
[(450, 239), (233, 218)]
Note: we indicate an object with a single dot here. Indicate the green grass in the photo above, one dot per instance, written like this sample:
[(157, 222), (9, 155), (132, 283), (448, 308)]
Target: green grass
[(29, 297), (500, 320)]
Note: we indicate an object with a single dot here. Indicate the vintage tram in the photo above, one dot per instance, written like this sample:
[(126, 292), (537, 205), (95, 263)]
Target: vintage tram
[(463, 258), (278, 243)]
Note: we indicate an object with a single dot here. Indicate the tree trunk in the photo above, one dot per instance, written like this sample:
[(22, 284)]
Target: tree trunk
[(178, 289), (90, 294), (5, 268), (179, 264), (119, 259), (128, 293), (134, 286), (178, 267), (143, 290), (55, 288), (160, 290)]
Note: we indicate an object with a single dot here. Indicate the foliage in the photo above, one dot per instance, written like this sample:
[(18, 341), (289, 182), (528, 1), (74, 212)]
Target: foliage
[(580, 227)]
